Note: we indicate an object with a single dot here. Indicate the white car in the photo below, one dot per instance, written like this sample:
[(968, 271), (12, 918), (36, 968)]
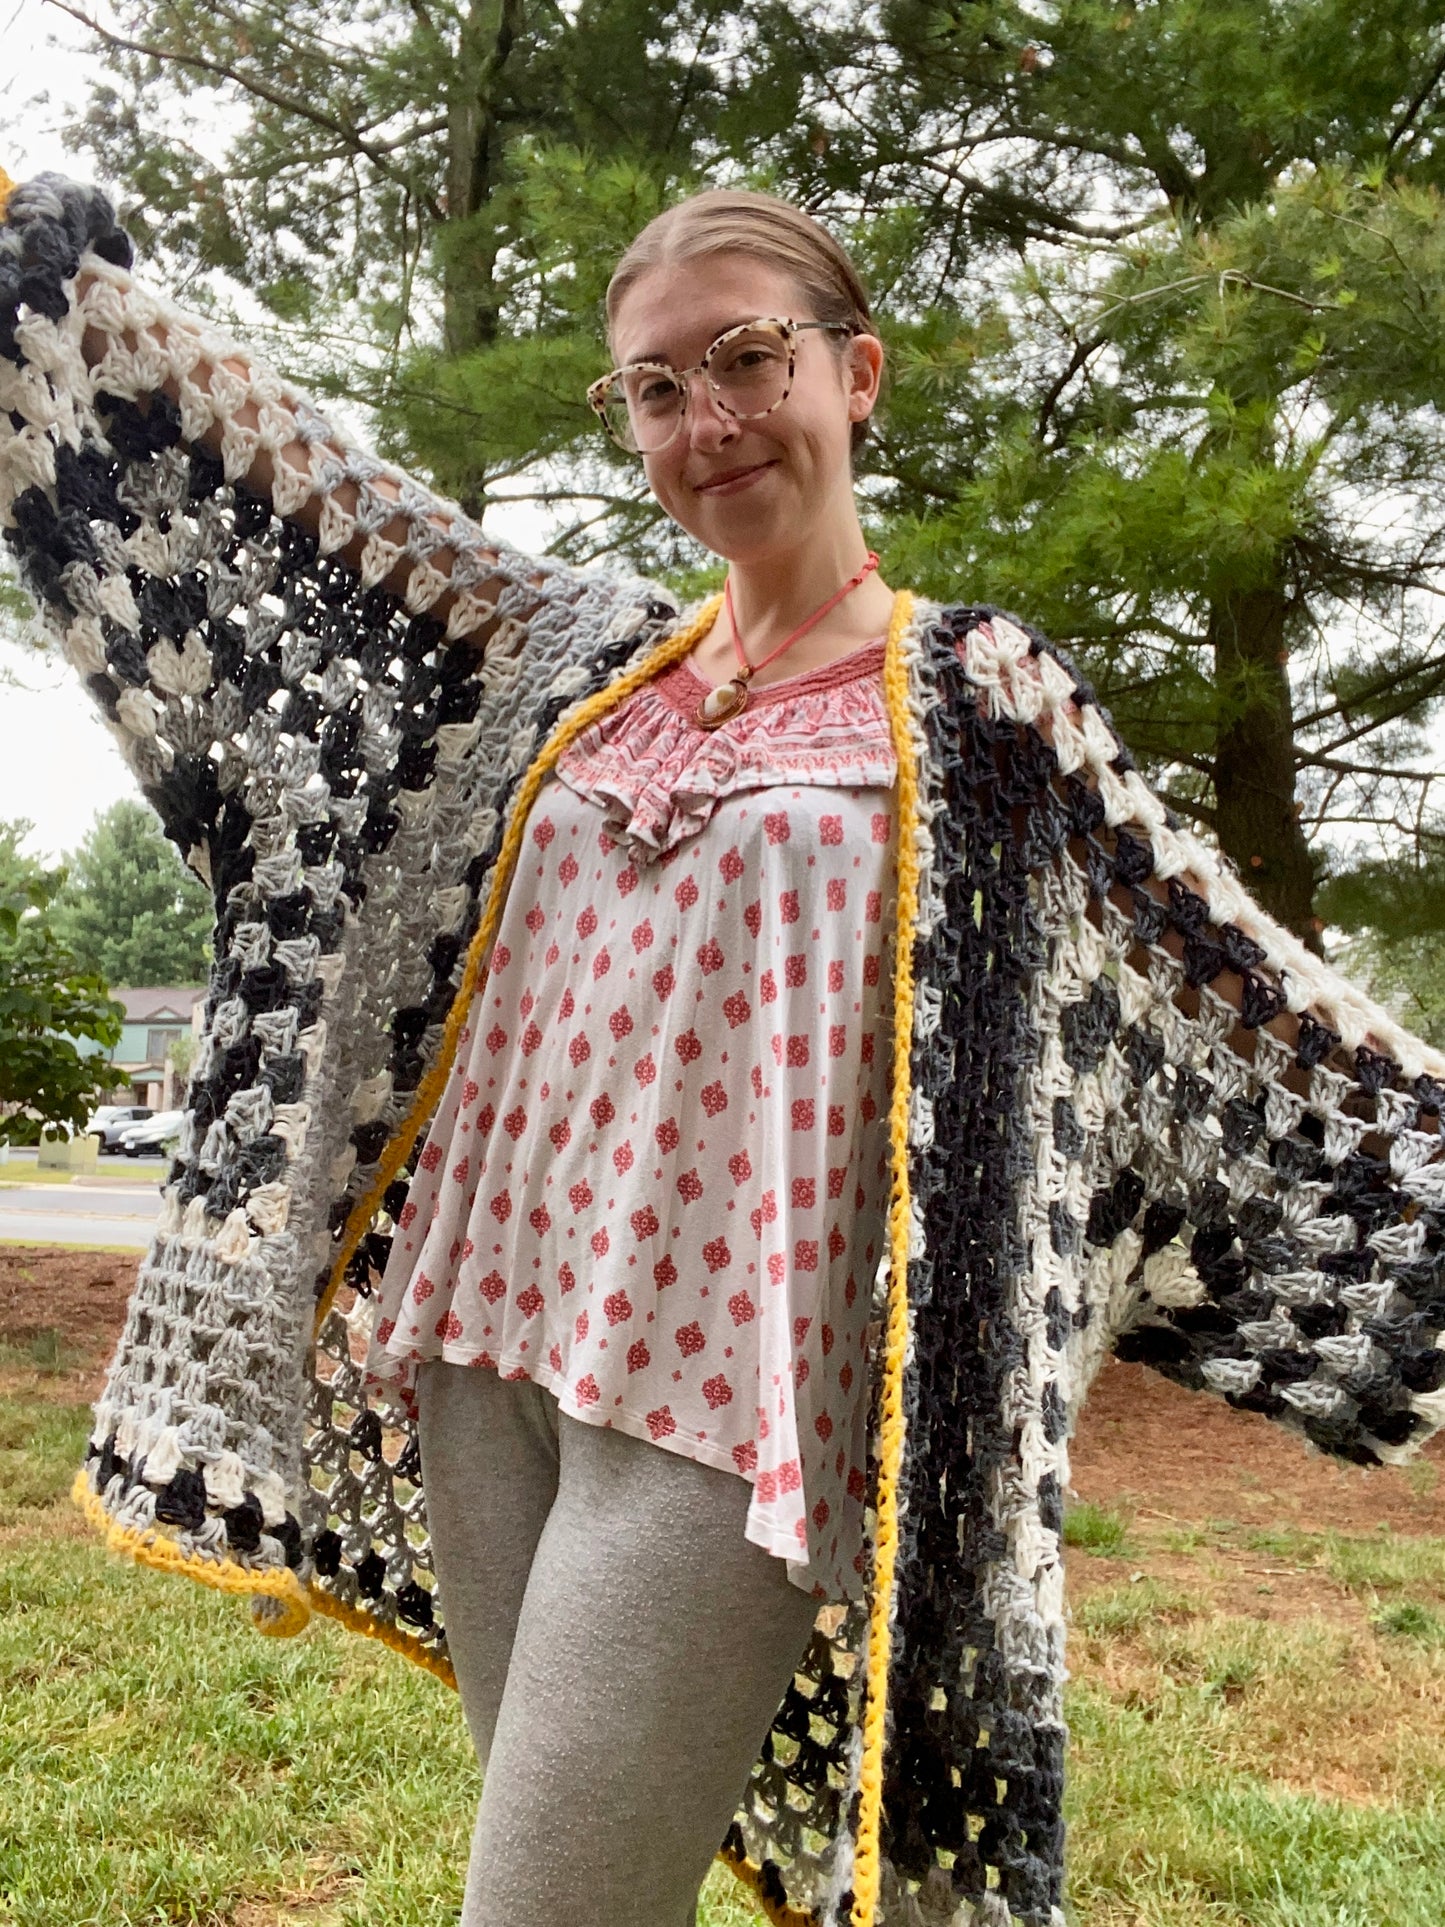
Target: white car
[(109, 1122), (153, 1135)]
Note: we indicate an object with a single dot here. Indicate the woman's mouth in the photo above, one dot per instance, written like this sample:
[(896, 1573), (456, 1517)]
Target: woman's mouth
[(735, 481)]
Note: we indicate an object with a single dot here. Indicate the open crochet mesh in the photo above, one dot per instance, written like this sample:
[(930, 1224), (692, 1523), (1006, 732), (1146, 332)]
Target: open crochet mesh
[(1142, 1116)]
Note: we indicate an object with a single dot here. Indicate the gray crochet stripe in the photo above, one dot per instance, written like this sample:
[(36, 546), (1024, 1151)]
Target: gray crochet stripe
[(1105, 1153)]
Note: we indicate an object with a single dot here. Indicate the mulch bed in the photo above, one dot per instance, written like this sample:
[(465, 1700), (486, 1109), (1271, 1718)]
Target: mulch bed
[(81, 1295), (1183, 1456)]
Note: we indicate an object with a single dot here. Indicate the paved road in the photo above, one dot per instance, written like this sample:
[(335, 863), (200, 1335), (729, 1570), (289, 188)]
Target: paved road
[(85, 1211)]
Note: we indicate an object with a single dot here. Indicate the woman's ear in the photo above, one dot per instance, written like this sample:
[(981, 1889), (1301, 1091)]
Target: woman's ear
[(863, 372)]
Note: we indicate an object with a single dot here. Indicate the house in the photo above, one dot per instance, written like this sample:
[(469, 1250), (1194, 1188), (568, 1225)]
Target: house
[(154, 1020)]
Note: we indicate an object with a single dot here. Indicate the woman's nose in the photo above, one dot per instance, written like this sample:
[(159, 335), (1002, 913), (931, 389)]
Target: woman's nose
[(707, 423)]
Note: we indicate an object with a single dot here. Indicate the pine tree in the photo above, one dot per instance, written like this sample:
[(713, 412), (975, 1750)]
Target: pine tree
[(1162, 286), (130, 910), (369, 194)]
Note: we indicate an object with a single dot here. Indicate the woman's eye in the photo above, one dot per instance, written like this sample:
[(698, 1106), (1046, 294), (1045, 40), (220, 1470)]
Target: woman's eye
[(750, 358)]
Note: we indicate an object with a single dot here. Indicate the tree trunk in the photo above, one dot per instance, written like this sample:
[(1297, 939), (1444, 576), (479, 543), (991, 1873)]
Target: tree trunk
[(1254, 770), (468, 242)]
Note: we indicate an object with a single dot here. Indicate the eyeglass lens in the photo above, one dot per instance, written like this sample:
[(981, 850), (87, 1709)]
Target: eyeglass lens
[(748, 371)]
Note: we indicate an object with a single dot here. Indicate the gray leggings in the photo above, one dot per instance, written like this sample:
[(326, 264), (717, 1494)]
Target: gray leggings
[(620, 1650)]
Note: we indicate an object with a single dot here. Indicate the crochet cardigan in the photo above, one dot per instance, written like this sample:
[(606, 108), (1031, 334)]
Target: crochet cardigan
[(1129, 1111)]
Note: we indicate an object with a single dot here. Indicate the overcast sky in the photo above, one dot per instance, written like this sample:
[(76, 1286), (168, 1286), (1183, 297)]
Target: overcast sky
[(58, 763)]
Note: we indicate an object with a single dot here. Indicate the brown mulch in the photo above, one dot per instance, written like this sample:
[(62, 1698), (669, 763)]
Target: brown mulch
[(1182, 1456), (80, 1295)]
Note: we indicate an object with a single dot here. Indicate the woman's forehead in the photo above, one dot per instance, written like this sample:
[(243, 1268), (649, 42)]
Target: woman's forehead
[(674, 310)]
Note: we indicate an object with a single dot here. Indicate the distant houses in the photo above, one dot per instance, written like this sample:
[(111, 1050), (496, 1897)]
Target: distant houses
[(155, 1019)]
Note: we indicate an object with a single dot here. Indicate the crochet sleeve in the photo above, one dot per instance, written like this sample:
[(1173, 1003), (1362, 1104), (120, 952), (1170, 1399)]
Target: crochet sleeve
[(1237, 1171), (217, 559)]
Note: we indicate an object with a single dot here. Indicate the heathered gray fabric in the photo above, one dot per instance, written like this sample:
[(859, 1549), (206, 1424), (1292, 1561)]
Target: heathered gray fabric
[(620, 1648)]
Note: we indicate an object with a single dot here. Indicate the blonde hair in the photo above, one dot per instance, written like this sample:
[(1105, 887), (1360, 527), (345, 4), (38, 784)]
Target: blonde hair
[(737, 220)]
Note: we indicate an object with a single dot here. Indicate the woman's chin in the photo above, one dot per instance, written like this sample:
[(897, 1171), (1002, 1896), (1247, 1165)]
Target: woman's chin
[(745, 527)]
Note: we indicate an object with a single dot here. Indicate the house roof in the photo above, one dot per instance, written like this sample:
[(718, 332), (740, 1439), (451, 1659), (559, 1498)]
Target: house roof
[(151, 1005)]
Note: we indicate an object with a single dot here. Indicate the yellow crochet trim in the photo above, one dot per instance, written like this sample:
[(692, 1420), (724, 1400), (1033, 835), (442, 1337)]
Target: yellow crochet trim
[(680, 643), (286, 1605), (151, 1547), (370, 1627), (895, 1331), (7, 188), (751, 1877)]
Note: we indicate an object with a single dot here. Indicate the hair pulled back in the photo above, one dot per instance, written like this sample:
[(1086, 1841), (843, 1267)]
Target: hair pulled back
[(739, 220)]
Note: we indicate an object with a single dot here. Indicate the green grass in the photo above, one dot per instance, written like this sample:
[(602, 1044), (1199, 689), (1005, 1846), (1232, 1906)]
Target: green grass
[(1126, 1609), (1385, 1562), (1095, 1528), (41, 1444), (160, 1763), (1411, 1620), (29, 1174), (45, 1352), (1381, 1561), (1181, 1800), (1365, 1563), (128, 1170), (1166, 1834)]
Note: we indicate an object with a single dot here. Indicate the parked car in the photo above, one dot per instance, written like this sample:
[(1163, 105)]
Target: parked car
[(110, 1121), (151, 1137)]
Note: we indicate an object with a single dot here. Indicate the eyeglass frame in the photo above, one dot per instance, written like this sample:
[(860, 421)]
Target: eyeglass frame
[(596, 391)]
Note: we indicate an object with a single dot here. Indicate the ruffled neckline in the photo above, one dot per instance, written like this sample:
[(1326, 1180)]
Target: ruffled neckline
[(659, 774), (684, 688)]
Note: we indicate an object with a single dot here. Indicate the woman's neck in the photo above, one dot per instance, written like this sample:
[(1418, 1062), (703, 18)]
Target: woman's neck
[(774, 594)]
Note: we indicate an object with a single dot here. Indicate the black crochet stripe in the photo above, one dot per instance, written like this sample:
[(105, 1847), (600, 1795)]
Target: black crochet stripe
[(964, 1348), (986, 950), (49, 223)]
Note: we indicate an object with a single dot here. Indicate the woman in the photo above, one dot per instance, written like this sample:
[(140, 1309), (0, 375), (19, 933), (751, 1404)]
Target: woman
[(1076, 1090), (735, 877)]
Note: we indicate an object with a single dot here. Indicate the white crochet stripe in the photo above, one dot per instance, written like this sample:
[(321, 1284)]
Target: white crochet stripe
[(1027, 688), (486, 579), (552, 616)]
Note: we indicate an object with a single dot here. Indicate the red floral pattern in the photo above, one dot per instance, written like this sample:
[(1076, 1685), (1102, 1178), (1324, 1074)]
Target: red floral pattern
[(657, 1181)]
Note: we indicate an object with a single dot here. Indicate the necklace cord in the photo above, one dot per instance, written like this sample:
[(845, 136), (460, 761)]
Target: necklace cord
[(747, 669)]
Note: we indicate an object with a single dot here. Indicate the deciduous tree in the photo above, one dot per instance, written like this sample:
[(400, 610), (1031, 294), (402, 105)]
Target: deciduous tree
[(50, 1008)]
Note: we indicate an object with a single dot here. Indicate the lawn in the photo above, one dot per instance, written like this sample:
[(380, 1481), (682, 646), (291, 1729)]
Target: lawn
[(161, 1763), (1256, 1713), (138, 1171)]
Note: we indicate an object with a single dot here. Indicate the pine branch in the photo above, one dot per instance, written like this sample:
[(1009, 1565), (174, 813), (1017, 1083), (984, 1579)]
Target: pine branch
[(1389, 680), (249, 83), (1375, 771)]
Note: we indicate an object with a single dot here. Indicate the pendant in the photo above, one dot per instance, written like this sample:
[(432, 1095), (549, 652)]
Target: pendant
[(728, 699)]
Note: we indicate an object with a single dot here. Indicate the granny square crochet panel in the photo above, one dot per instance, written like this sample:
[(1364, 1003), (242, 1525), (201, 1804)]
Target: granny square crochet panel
[(1128, 1111)]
